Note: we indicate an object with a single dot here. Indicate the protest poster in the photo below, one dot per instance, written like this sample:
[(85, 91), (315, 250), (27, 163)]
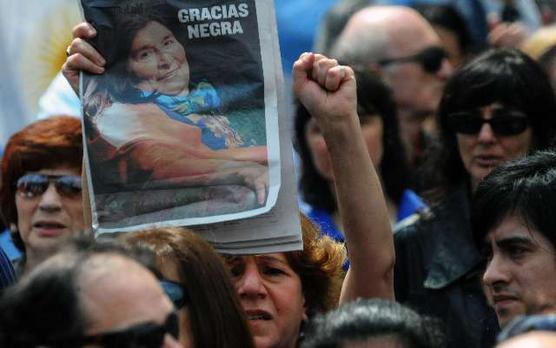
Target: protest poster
[(183, 127)]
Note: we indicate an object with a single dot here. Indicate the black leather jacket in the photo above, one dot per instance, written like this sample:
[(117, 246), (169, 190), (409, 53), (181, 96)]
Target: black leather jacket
[(438, 273)]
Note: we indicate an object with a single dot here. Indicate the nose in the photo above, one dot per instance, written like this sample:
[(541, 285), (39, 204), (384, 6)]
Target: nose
[(50, 200), (495, 273), (164, 60), (486, 135), (251, 284), (171, 342), (446, 70)]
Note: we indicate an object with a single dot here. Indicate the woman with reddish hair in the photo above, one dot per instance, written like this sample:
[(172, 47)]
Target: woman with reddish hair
[(40, 195)]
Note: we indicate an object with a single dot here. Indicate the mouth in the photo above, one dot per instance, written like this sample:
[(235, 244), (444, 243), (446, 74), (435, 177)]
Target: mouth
[(168, 75), (257, 315), (501, 301), (48, 228), (488, 161)]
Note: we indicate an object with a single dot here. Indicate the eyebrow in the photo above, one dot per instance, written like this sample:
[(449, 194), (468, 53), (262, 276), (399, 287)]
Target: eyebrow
[(269, 258), (511, 241), (148, 46)]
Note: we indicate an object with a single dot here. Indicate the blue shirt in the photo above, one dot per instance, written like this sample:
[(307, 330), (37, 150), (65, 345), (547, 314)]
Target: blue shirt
[(7, 272), (410, 203), (8, 247)]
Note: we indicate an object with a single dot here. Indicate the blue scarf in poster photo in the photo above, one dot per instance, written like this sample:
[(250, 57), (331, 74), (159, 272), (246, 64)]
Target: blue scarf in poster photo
[(198, 109)]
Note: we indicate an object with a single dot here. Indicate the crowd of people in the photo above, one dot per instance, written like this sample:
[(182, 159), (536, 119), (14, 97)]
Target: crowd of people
[(427, 172)]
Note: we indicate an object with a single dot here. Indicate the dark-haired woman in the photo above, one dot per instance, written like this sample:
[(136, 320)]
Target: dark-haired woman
[(498, 107)]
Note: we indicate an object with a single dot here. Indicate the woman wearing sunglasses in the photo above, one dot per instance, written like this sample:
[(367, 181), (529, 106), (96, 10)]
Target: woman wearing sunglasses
[(40, 196), (199, 285), (498, 107)]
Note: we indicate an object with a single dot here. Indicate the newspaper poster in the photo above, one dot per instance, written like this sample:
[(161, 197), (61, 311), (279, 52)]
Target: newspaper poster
[(182, 128)]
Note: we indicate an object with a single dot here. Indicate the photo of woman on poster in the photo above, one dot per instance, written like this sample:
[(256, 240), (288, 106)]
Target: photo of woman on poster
[(150, 127)]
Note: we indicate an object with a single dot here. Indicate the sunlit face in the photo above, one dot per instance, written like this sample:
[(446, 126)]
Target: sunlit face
[(159, 61), (117, 293), (44, 221), (520, 277), (372, 130), (271, 295), (482, 152), (417, 92)]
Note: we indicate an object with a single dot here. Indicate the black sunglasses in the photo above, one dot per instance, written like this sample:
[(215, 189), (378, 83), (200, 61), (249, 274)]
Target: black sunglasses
[(503, 122), (33, 185), (175, 292), (145, 335), (430, 59)]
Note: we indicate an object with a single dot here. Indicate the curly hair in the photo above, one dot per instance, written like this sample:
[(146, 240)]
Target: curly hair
[(50, 143), (319, 267)]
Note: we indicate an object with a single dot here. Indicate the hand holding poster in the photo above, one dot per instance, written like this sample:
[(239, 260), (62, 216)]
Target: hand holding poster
[(182, 129)]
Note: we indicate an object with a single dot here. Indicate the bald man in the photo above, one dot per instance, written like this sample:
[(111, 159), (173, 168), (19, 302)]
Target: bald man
[(402, 47), (88, 297)]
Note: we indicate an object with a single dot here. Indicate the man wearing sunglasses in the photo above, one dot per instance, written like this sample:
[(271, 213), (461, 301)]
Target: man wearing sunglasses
[(403, 48), (89, 295)]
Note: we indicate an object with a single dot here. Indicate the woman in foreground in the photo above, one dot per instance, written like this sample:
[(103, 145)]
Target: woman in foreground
[(280, 291)]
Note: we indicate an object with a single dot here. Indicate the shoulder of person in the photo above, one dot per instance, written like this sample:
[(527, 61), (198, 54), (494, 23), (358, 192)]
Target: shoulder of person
[(412, 223)]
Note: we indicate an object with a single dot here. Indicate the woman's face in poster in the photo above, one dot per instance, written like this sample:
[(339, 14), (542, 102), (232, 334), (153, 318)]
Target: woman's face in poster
[(159, 61)]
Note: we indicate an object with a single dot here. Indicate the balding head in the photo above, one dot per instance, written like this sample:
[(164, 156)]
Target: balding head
[(116, 292), (87, 289), (379, 32)]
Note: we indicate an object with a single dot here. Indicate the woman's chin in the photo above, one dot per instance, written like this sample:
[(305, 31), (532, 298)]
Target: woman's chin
[(47, 241)]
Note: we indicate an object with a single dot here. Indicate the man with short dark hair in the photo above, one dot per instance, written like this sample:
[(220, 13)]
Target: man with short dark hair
[(88, 297), (514, 221), (373, 323)]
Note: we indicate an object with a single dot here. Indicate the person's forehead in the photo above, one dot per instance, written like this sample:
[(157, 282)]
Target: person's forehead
[(513, 227), (261, 258), (411, 36), (169, 268), (64, 170), (275, 257), (509, 227), (152, 31)]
